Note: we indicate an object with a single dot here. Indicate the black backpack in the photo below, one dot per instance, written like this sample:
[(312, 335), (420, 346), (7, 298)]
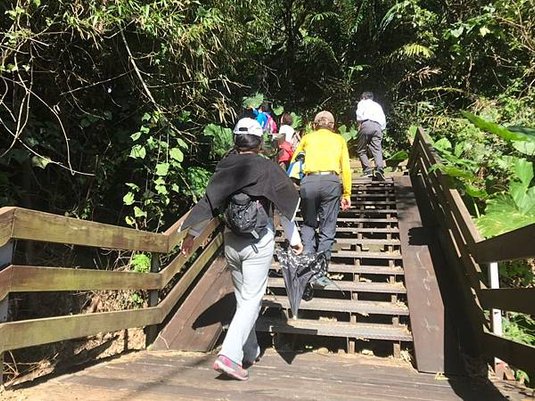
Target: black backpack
[(246, 216)]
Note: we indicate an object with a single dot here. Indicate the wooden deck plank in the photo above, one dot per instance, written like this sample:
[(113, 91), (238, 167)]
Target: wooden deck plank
[(167, 376)]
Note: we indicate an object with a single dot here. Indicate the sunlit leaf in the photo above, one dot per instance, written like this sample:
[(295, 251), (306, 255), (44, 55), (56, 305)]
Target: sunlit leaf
[(139, 213), (502, 215), (475, 192), (162, 169), (494, 128), (176, 154), (253, 101), (278, 110), (40, 162), (399, 156), (128, 199), (138, 152)]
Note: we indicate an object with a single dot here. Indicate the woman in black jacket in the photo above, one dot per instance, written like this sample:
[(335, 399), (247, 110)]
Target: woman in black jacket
[(249, 257)]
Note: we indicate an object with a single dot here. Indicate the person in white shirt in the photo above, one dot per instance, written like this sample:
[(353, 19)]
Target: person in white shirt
[(371, 120)]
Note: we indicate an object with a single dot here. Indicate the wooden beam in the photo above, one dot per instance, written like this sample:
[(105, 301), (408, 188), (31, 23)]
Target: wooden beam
[(517, 244), (174, 235), (40, 226), (180, 260), (6, 224), (423, 293), (40, 278), (27, 333), (190, 275), (520, 356), (6, 257), (509, 299), (198, 322)]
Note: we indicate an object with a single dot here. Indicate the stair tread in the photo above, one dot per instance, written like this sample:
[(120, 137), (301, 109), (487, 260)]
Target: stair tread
[(366, 255), (374, 202), (360, 220), (373, 195), (366, 269), (356, 230), (360, 286), (358, 241), (355, 210), (340, 305), (334, 328)]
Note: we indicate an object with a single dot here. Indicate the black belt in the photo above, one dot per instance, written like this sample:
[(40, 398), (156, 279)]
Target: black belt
[(322, 173)]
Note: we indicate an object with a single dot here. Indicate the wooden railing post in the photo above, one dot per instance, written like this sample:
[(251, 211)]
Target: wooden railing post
[(6, 257), (151, 332)]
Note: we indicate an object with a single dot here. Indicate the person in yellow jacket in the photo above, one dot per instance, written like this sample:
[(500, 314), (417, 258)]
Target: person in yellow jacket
[(326, 185)]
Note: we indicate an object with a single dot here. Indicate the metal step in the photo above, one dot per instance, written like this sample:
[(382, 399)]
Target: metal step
[(334, 329), (352, 286), (340, 305)]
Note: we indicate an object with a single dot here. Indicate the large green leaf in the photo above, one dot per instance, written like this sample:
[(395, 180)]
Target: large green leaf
[(502, 215), (496, 129), (524, 171), (398, 156), (525, 147), (253, 101), (222, 139)]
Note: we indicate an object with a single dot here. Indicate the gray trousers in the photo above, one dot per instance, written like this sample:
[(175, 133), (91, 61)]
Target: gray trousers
[(249, 264), (370, 137), (320, 204)]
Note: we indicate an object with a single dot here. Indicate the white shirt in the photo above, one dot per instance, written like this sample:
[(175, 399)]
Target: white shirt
[(367, 109), (288, 132)]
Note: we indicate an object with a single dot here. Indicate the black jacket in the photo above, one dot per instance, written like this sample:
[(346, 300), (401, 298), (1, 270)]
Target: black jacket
[(249, 173)]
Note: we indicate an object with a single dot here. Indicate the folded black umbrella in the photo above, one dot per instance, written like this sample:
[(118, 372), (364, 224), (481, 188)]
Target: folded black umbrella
[(298, 271)]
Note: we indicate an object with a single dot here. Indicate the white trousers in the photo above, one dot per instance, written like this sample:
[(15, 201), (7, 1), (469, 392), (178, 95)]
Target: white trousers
[(249, 264)]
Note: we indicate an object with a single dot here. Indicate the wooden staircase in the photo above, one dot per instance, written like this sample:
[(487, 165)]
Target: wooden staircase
[(369, 300)]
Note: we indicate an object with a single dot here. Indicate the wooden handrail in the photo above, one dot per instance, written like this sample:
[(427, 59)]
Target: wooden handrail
[(18, 223), (26, 224), (47, 330), (517, 244), (471, 249)]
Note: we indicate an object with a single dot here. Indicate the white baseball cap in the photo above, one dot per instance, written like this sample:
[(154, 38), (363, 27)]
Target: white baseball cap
[(248, 126)]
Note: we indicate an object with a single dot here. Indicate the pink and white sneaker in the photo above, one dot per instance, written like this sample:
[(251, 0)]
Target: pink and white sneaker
[(230, 368)]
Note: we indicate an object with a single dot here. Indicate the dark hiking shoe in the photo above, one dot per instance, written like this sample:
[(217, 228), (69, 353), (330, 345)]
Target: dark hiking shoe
[(368, 173), (230, 368), (379, 175)]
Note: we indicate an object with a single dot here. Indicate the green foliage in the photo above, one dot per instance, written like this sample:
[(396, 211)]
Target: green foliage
[(253, 102), (348, 134), (519, 327), (221, 140), (140, 263), (514, 209)]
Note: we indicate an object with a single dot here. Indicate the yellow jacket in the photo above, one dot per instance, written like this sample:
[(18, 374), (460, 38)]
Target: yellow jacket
[(326, 151)]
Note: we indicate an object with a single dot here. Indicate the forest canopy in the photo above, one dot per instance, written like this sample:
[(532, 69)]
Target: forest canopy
[(119, 101)]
